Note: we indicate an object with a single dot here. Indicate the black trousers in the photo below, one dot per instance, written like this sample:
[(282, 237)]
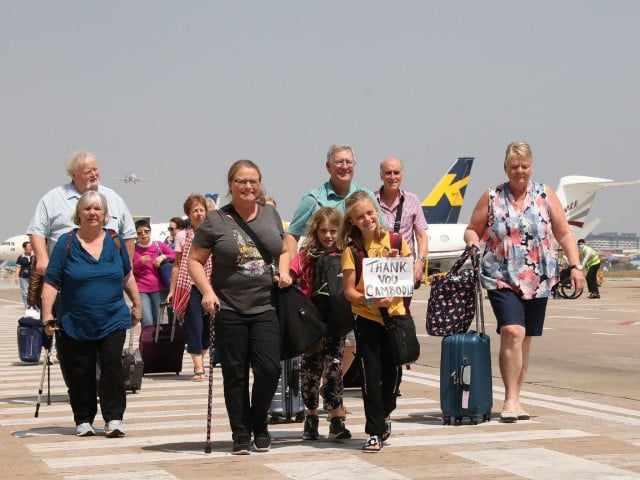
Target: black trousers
[(243, 342), (80, 367), (592, 278), (381, 378)]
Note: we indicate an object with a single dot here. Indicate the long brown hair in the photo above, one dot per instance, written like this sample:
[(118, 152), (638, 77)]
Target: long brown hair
[(350, 232)]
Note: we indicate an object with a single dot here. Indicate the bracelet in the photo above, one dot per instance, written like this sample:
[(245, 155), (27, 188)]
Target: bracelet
[(423, 258)]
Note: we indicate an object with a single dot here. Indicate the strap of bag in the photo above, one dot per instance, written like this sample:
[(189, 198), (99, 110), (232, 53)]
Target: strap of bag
[(396, 224), (268, 258), (475, 261)]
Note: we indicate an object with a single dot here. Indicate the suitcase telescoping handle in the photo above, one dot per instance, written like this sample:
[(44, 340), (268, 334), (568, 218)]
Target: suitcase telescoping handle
[(475, 262), (131, 340), (163, 311)]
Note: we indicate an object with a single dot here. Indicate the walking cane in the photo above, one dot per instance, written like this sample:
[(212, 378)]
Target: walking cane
[(46, 366), (207, 446)]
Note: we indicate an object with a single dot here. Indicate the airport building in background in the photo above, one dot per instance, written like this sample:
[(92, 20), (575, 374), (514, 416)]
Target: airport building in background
[(613, 241)]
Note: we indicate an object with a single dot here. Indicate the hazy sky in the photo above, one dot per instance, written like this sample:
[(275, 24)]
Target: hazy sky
[(175, 91)]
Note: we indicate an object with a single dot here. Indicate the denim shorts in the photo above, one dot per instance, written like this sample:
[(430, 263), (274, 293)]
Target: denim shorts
[(510, 309)]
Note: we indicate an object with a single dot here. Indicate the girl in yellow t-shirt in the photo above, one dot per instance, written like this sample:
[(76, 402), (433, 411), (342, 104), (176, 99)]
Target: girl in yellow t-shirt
[(361, 229)]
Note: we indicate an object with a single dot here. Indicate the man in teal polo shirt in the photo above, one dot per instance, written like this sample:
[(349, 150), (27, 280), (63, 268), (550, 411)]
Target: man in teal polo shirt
[(341, 165)]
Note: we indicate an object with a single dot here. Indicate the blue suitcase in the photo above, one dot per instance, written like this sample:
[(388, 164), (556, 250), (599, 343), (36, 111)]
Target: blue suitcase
[(465, 378), (30, 339)]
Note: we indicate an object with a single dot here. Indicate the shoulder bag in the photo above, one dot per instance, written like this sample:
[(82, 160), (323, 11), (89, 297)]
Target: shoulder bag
[(165, 269), (301, 323), (454, 297)]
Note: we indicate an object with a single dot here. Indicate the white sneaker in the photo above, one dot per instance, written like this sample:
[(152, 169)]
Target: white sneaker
[(114, 429), (85, 430)]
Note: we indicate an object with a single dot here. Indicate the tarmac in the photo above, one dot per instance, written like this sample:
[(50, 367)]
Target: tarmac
[(582, 391)]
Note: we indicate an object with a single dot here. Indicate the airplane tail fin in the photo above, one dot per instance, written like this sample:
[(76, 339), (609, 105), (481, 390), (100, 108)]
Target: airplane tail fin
[(444, 202)]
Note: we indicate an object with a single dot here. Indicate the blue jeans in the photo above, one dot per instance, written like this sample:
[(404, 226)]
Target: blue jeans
[(248, 341), (24, 289), (151, 306)]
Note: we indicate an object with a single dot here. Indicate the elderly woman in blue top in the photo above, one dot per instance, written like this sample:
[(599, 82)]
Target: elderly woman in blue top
[(91, 268)]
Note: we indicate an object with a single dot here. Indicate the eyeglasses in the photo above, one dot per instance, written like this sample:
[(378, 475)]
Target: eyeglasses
[(342, 163), (253, 183), (143, 232)]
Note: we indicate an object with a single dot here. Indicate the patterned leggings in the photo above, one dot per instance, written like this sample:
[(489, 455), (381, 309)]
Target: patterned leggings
[(323, 366)]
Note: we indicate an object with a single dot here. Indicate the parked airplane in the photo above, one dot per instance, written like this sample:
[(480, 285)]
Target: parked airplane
[(442, 208), (577, 193), (11, 248)]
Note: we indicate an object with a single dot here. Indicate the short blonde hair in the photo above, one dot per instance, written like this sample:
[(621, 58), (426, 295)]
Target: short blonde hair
[(91, 197), (518, 149)]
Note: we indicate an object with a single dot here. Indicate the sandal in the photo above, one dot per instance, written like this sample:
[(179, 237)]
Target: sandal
[(387, 430), (373, 445), (198, 377)]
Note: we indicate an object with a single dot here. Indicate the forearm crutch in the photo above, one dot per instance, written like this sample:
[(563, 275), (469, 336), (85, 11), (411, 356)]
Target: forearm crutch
[(207, 446)]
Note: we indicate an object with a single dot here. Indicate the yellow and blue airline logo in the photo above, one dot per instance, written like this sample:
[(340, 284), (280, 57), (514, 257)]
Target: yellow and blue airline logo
[(444, 202)]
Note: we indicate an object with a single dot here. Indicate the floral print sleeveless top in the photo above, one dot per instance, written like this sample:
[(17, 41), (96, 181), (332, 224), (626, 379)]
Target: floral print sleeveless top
[(519, 252)]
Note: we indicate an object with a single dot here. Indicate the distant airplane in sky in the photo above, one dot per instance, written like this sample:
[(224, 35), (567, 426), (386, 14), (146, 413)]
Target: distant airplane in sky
[(130, 178)]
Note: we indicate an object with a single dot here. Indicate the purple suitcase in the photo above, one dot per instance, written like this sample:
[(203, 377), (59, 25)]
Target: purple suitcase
[(162, 347)]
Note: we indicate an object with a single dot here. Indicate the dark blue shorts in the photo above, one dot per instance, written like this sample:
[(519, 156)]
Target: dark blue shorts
[(510, 309)]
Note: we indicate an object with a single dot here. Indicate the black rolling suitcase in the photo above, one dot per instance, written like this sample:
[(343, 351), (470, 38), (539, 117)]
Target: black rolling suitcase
[(29, 339), (465, 374), (287, 404), (132, 366)]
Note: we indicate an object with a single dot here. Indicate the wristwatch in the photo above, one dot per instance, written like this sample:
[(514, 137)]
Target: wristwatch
[(423, 258), (577, 267)]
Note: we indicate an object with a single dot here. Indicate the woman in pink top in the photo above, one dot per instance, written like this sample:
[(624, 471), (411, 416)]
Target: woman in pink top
[(146, 260)]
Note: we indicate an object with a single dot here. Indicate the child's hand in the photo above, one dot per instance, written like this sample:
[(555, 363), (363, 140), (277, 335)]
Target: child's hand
[(394, 252), (384, 302)]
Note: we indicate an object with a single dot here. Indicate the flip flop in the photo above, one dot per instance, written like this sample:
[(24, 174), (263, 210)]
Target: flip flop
[(373, 445), (198, 377)]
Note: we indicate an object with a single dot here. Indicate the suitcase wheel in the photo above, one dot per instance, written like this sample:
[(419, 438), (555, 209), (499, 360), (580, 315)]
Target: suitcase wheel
[(486, 417), (473, 420), (446, 420), (458, 420), (273, 420)]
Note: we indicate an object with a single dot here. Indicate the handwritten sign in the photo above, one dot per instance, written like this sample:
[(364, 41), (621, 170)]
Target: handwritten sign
[(384, 277)]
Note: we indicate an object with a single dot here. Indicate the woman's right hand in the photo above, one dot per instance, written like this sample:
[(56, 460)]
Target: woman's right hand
[(211, 303)]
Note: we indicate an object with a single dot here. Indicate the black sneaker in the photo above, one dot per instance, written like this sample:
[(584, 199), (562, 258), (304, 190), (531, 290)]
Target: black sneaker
[(338, 430), (241, 445), (311, 428), (262, 442)]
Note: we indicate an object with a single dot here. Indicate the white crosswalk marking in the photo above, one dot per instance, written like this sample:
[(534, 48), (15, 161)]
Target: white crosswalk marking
[(166, 424), (544, 464)]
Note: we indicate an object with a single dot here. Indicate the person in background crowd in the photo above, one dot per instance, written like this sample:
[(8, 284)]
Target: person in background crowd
[(184, 297), (23, 270), (90, 269), (240, 297), (403, 213), (591, 263), (175, 225), (519, 264), (147, 259)]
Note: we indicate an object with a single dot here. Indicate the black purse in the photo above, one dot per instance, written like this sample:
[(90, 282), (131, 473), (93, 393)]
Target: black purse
[(301, 323), (403, 340)]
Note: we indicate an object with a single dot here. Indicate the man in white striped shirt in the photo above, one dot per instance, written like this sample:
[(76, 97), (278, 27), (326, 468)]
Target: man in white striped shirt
[(54, 211)]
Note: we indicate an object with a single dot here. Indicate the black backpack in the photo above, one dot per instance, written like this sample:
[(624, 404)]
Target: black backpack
[(328, 294)]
